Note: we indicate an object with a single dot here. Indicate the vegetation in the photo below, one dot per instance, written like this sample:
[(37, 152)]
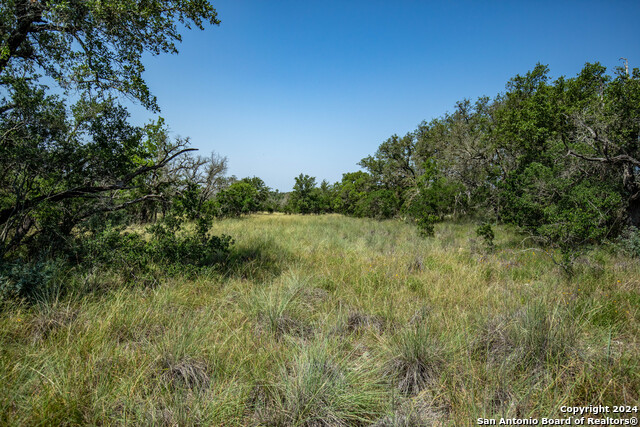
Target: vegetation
[(330, 320), (483, 265), (559, 160), (70, 154)]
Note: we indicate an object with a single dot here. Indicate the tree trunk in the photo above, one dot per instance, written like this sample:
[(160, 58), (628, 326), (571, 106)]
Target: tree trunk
[(633, 211), (631, 185)]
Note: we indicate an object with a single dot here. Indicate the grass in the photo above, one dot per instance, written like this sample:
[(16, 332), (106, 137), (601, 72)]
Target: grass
[(328, 320)]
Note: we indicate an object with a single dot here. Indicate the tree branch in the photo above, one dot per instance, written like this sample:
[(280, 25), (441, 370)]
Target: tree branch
[(616, 160), (122, 184), (122, 205)]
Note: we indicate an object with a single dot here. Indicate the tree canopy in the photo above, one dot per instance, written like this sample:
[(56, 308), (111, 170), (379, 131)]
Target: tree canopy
[(68, 152), (559, 159)]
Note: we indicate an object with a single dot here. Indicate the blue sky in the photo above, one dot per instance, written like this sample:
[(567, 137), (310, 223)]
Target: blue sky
[(288, 87)]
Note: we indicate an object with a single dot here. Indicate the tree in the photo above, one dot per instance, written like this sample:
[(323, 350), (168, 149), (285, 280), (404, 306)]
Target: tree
[(93, 46), (304, 198), (196, 180), (326, 196), (462, 145), (262, 191), (68, 155), (240, 198), (605, 129), (354, 187), (396, 164), (557, 198)]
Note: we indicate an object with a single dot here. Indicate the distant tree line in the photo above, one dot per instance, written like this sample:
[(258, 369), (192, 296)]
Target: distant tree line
[(559, 159)]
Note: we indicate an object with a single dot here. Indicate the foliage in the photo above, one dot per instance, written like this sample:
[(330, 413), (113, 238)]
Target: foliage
[(629, 242), (486, 232), (304, 198), (432, 199), (171, 245), (94, 46), (240, 198), (69, 153), (351, 190), (261, 189), (380, 204), (559, 159), (193, 183), (30, 281)]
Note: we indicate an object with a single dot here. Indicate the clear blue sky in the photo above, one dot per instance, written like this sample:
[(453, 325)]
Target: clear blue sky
[(284, 87)]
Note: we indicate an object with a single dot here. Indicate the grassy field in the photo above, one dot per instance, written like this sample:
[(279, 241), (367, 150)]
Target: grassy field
[(328, 320)]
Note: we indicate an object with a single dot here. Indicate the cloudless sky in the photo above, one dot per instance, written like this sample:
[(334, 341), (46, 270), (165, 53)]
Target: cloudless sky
[(288, 87)]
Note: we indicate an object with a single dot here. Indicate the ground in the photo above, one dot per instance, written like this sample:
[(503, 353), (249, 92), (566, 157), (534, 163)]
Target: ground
[(329, 320)]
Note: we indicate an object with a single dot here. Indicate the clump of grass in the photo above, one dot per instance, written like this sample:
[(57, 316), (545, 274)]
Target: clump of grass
[(415, 359), (277, 310), (317, 389), (358, 322), (415, 412), (186, 373), (500, 399), (530, 339), (542, 336), (50, 318), (493, 343)]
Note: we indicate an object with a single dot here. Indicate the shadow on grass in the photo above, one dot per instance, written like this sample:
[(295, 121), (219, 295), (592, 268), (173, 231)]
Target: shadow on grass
[(258, 260)]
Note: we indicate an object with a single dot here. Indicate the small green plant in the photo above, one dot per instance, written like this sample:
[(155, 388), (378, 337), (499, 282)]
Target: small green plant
[(28, 280), (629, 242), (485, 231), (426, 224)]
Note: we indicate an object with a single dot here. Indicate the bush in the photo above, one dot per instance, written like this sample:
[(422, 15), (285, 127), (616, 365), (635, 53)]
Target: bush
[(629, 242), (426, 223), (486, 232), (379, 204), (28, 280), (194, 249)]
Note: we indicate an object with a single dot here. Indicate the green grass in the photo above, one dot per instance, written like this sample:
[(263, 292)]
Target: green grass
[(328, 320)]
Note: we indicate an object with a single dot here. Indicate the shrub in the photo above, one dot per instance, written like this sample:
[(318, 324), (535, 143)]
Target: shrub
[(486, 232), (28, 280), (629, 242), (426, 224), (169, 246)]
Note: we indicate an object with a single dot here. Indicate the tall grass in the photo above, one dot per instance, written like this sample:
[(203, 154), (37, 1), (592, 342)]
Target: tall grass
[(328, 320)]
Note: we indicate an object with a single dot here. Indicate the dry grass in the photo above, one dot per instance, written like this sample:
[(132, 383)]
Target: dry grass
[(327, 320)]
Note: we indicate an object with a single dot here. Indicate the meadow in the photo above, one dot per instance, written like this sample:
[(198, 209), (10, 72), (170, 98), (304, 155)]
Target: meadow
[(331, 320)]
